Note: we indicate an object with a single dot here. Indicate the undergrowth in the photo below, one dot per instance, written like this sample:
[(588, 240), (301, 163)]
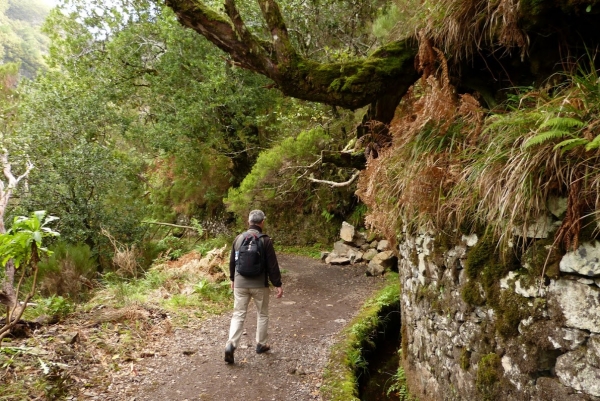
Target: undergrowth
[(452, 164), (346, 362)]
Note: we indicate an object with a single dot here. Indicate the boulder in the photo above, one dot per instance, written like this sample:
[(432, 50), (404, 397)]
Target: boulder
[(347, 232), (585, 260), (324, 256)]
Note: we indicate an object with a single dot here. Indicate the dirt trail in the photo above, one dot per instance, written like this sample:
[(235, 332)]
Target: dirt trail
[(318, 301)]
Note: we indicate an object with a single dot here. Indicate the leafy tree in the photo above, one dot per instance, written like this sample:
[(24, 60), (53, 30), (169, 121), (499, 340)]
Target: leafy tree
[(21, 40)]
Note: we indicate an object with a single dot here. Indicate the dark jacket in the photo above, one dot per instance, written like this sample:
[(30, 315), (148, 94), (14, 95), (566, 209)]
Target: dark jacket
[(272, 266)]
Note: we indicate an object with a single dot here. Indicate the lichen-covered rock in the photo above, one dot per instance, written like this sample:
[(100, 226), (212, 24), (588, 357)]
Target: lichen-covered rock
[(579, 303), (585, 260), (573, 370)]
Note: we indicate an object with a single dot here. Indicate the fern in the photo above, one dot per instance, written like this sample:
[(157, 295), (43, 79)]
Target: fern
[(569, 144), (594, 144), (562, 123), (544, 137)]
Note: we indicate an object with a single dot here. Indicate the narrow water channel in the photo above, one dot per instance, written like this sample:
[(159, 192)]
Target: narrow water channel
[(383, 361)]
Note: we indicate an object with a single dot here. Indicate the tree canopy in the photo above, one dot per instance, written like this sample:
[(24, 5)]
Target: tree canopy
[(488, 46)]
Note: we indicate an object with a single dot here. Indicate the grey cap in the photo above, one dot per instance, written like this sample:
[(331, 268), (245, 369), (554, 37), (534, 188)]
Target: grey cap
[(256, 217)]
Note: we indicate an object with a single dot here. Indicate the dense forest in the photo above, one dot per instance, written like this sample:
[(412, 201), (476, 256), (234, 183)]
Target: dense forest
[(148, 128)]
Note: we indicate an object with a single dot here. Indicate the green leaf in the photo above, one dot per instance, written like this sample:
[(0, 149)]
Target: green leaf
[(588, 8)]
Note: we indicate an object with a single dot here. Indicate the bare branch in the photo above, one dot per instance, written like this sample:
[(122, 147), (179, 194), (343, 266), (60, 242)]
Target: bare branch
[(334, 184)]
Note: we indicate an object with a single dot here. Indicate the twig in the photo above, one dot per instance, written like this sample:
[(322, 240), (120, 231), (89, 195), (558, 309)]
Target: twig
[(334, 184)]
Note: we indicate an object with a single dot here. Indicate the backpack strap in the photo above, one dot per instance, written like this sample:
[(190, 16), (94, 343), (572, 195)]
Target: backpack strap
[(263, 256)]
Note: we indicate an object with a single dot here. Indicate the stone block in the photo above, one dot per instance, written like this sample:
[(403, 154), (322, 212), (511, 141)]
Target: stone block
[(585, 260), (578, 303)]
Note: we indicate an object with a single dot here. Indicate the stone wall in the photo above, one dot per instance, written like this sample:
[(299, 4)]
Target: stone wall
[(480, 326)]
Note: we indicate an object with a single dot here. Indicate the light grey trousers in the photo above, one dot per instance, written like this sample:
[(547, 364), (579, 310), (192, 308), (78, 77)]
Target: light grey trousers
[(242, 298)]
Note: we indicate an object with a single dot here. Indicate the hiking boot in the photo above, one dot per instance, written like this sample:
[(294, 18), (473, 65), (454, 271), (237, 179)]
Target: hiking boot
[(260, 348), (229, 353)]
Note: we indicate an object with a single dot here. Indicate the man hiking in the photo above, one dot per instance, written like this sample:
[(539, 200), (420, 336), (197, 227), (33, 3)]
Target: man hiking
[(252, 264)]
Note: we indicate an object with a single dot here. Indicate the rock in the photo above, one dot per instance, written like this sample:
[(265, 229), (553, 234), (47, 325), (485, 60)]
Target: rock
[(513, 282), (579, 303), (585, 260), (374, 269), (387, 259), (381, 262), (569, 339), (324, 256), (540, 228), (355, 256), (365, 247), (347, 232), (373, 244), (340, 260), (470, 240), (342, 249), (557, 206), (359, 239), (330, 257), (383, 245), (370, 254), (574, 371)]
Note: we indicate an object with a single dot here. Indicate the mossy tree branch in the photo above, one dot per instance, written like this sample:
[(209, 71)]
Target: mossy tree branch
[(383, 77)]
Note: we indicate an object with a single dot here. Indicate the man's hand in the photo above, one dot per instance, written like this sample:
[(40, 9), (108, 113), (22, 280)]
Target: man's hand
[(232, 285), (279, 292)]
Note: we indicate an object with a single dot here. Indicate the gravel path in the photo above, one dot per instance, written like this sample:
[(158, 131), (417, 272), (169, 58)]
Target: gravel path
[(319, 300)]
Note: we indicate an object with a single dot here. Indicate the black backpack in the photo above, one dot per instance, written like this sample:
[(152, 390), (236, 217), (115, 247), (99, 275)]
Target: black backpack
[(250, 256)]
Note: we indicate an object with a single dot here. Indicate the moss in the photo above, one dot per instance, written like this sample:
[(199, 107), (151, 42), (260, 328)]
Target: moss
[(540, 257), (488, 376), (511, 309), (465, 359), (345, 362), (471, 293)]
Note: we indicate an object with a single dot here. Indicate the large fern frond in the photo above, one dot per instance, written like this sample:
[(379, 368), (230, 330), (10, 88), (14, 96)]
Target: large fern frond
[(544, 137), (561, 123)]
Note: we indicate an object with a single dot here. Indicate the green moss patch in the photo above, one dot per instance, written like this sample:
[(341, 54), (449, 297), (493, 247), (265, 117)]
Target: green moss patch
[(488, 376), (346, 361)]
